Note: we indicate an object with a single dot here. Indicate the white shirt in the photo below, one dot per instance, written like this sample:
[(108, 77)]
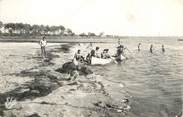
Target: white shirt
[(43, 43)]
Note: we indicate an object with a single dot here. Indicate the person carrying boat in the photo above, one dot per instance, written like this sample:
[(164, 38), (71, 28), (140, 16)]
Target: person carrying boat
[(78, 56), (105, 54)]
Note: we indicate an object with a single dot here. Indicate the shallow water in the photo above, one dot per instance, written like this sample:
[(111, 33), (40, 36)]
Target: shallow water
[(153, 80)]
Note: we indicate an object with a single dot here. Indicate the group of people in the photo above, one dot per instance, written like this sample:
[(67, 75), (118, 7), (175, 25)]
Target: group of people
[(95, 52), (151, 48)]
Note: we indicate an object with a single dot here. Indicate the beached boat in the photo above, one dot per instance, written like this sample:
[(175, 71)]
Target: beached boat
[(100, 61)]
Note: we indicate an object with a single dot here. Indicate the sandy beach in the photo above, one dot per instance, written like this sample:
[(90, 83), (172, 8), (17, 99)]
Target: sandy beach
[(40, 91)]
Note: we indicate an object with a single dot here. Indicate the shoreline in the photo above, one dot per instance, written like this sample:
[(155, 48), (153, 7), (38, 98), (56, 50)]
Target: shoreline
[(77, 39), (86, 96), (59, 41)]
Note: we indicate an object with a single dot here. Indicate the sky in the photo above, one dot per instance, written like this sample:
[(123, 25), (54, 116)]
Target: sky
[(117, 17)]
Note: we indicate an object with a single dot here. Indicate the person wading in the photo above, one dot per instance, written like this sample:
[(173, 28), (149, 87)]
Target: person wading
[(43, 44), (151, 48), (163, 48), (139, 47), (120, 50)]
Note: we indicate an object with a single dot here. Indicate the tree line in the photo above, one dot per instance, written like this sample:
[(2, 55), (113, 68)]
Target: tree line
[(19, 29), (27, 29)]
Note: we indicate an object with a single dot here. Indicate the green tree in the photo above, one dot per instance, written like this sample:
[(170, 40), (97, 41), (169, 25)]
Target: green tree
[(53, 30), (101, 34), (35, 30), (91, 34), (62, 28), (82, 35), (10, 27), (1, 25), (47, 30), (27, 29), (69, 32)]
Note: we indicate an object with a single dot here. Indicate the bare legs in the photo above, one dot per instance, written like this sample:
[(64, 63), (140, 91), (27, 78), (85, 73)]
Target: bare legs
[(43, 52)]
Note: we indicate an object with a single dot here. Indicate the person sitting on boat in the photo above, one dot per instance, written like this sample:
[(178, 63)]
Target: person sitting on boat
[(105, 54), (93, 53), (78, 56), (97, 53), (90, 55)]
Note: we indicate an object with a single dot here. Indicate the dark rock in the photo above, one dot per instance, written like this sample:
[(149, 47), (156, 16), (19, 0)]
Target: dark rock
[(69, 67), (34, 115)]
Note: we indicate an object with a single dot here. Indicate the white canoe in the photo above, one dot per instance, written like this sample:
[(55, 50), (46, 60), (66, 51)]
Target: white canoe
[(100, 61)]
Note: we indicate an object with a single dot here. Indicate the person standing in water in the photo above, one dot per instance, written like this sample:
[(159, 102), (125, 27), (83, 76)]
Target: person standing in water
[(43, 44), (163, 49), (151, 48), (139, 47), (120, 50)]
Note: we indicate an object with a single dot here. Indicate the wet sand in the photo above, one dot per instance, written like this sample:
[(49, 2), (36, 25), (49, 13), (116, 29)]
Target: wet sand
[(40, 91)]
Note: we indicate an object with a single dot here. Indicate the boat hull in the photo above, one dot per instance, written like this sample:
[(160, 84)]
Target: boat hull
[(100, 61)]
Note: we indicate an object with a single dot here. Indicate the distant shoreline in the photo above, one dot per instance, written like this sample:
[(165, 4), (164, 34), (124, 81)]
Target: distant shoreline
[(76, 39)]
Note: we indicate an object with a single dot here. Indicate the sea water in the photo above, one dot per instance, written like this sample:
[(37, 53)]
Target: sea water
[(153, 80)]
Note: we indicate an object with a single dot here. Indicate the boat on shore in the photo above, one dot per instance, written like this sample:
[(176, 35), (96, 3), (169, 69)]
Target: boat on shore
[(101, 61)]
